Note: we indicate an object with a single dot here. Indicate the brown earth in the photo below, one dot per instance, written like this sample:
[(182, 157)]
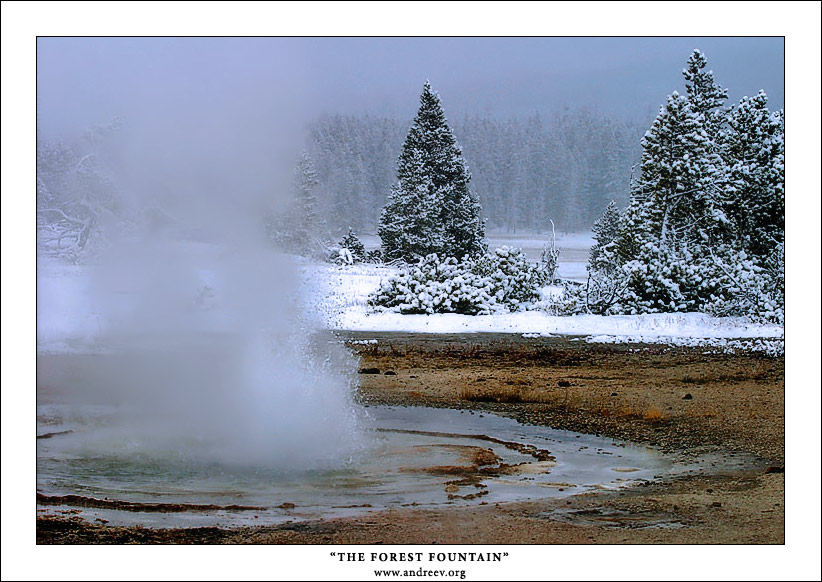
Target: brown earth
[(689, 400)]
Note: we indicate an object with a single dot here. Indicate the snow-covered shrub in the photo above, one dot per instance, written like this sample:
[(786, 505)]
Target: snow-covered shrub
[(564, 298), (515, 281), (502, 280), (549, 262), (437, 286), (603, 291), (721, 282), (774, 267), (78, 201), (348, 251), (549, 259), (653, 283), (342, 256)]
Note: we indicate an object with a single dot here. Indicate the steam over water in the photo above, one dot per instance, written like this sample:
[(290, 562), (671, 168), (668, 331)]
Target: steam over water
[(208, 348), (209, 354)]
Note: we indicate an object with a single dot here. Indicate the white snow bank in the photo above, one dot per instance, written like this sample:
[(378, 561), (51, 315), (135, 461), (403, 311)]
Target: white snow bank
[(689, 325)]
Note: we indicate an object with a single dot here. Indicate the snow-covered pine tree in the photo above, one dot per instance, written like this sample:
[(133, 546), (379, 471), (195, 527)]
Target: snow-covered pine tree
[(750, 265), (296, 229), (707, 100), (678, 178), (408, 224), (605, 281), (754, 153), (354, 246), (675, 212), (704, 94), (605, 233), (431, 209)]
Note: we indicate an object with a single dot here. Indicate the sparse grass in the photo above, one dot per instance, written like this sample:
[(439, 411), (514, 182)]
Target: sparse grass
[(630, 412), (516, 393), (627, 411), (653, 414), (603, 410)]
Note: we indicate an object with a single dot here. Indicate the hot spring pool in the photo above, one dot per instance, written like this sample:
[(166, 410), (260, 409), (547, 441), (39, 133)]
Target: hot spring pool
[(413, 457)]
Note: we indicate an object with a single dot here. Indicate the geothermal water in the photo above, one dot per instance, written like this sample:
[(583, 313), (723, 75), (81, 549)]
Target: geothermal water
[(416, 457)]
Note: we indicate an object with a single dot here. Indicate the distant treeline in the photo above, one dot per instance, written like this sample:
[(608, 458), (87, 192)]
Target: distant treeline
[(526, 172)]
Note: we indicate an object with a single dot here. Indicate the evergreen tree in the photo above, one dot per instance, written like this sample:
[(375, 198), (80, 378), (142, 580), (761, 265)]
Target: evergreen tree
[(297, 228), (754, 152), (431, 209), (354, 246), (704, 94), (605, 232), (674, 215), (707, 98), (677, 188), (605, 281), (408, 224)]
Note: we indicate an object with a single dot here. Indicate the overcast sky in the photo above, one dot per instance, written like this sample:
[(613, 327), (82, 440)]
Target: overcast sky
[(83, 81)]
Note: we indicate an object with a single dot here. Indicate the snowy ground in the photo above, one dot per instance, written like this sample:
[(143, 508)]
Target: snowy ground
[(336, 298), (340, 294)]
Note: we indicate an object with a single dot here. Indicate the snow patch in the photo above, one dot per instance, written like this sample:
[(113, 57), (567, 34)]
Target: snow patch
[(767, 346)]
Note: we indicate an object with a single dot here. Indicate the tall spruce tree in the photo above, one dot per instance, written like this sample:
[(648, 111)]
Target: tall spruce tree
[(296, 229), (605, 233), (754, 152), (674, 213), (605, 284), (707, 100), (431, 208), (678, 174), (704, 94)]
